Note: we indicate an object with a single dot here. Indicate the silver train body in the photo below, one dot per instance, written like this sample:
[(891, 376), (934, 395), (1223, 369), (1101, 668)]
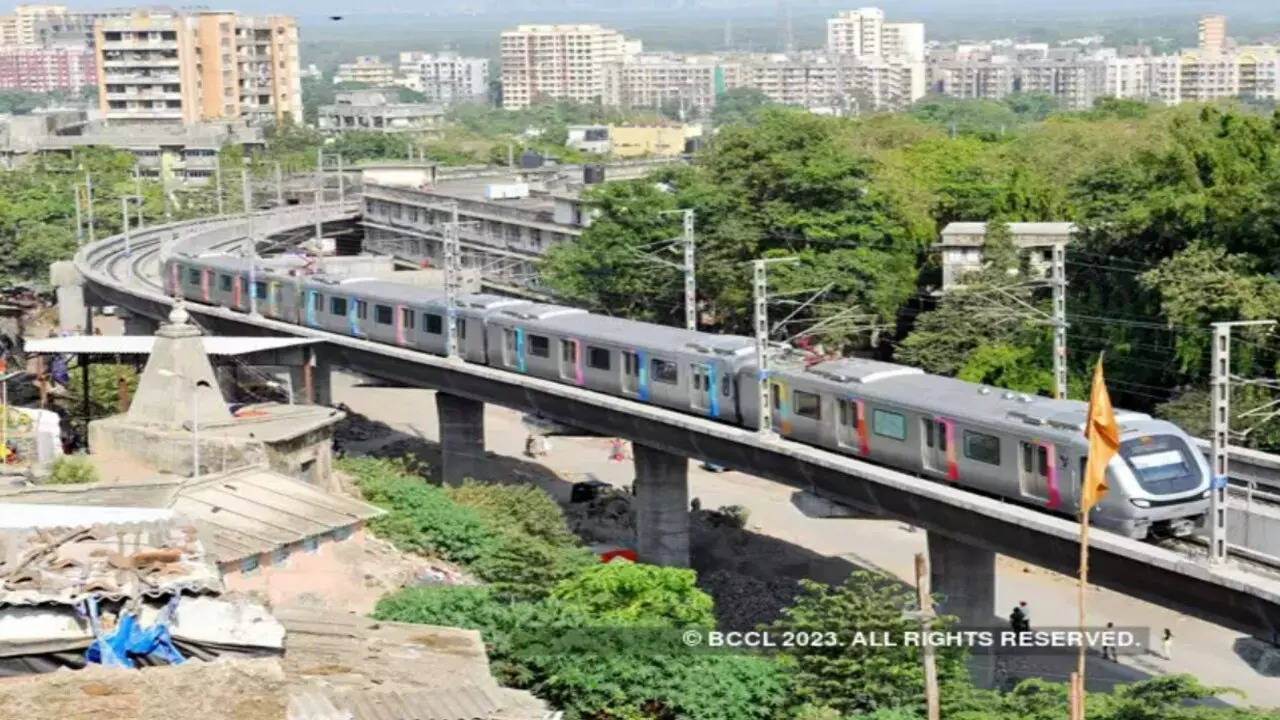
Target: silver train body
[(1027, 449)]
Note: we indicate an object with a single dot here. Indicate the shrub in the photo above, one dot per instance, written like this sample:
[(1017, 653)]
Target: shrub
[(734, 515), (629, 592), (519, 567), (524, 509), (420, 517), (72, 470)]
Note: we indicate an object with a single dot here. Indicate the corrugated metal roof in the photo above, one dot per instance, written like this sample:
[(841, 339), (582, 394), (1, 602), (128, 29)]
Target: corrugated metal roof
[(19, 516), (107, 560), (255, 511), (142, 344)]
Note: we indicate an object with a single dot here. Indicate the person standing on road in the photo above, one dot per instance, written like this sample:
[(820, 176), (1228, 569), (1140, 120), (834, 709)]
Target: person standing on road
[(618, 451), (1108, 650), (1166, 644), (1018, 619)]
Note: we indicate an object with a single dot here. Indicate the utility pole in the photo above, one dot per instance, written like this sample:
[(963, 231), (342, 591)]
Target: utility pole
[(341, 182), (137, 192), (316, 213), (1059, 274), (88, 201), (320, 171), (1220, 386), (217, 179), (690, 280), (451, 283), (79, 219), (251, 247), (128, 252), (924, 598), (279, 186), (760, 294)]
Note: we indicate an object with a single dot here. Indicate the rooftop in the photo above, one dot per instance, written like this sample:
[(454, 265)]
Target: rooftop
[(237, 514), (142, 344)]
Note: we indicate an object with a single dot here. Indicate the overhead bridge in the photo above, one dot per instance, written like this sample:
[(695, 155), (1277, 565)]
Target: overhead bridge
[(965, 529)]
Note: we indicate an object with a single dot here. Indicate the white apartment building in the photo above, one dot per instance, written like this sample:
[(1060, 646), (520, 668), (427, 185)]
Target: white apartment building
[(444, 77), (562, 62), (835, 83), (980, 79), (1127, 77), (648, 80), (864, 33), (367, 69), (856, 32)]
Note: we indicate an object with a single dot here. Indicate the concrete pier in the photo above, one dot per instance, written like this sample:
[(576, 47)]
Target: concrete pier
[(965, 577), (662, 507), (461, 438)]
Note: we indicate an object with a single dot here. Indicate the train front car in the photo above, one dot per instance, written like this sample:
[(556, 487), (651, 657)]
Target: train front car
[(1159, 482)]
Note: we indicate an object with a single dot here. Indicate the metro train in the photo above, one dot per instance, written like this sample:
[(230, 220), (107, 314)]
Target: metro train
[(1027, 449)]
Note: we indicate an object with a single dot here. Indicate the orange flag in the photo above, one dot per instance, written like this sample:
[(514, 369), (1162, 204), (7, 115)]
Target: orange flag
[(1104, 442)]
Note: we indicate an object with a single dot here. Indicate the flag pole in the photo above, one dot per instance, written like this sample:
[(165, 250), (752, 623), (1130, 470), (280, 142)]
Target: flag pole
[(1084, 584)]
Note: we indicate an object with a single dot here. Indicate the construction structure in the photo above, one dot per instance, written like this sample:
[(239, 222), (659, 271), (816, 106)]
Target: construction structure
[(178, 67), (366, 70), (961, 247), (378, 111)]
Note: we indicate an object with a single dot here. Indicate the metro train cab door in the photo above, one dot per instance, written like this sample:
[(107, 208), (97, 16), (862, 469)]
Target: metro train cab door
[(851, 425), (937, 453), (632, 366), (700, 390)]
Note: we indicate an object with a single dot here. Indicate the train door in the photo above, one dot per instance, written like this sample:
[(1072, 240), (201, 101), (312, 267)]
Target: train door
[(204, 284), (273, 292), (571, 361), (937, 450), (781, 408), (236, 292), (700, 390), (632, 367), (851, 425), (313, 304), (513, 348), (1033, 471), (404, 323), (175, 276)]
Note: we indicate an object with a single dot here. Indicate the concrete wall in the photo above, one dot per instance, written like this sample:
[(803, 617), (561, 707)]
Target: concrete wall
[(170, 451), (308, 458), (331, 572)]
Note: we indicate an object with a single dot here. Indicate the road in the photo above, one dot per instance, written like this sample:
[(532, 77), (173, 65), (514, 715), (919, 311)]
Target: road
[(1202, 649)]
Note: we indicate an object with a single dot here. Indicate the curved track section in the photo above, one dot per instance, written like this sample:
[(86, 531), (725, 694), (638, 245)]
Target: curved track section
[(1229, 595)]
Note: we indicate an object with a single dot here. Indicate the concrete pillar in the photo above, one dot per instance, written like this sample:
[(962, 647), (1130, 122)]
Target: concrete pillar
[(461, 423), (321, 381), (298, 384), (139, 325), (70, 291), (662, 507), (965, 577)]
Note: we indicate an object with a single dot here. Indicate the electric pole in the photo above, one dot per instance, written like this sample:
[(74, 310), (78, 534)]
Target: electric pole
[(320, 171), (760, 295), (1220, 386), (690, 280), (79, 219), (341, 182), (137, 192), (251, 247), (316, 212), (279, 186), (128, 251), (1059, 274), (88, 202), (451, 283), (217, 179)]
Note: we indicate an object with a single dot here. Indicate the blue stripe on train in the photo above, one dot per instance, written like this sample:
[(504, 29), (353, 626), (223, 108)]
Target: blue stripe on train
[(714, 411), (353, 320), (311, 308), (641, 358), (520, 349)]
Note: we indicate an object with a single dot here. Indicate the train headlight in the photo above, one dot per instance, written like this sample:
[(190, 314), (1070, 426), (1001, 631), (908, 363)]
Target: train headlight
[(1140, 502), (1205, 494)]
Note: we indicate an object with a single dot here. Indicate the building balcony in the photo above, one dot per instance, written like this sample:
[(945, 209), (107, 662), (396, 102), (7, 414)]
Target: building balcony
[(135, 44)]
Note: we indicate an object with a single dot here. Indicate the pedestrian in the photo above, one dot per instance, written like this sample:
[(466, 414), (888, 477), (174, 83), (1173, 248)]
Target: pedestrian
[(1026, 615), (1166, 644), (618, 451), (1108, 649), (529, 443), (1017, 620)]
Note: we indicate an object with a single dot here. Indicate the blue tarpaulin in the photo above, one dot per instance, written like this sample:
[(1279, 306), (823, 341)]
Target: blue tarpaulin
[(129, 640)]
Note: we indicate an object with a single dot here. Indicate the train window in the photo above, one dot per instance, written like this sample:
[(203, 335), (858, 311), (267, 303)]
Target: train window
[(362, 310), (568, 352), (462, 328), (406, 318), (927, 424), (1042, 460), (338, 306), (539, 346), (1035, 458), (775, 394), (598, 358), (193, 276), (224, 283), (317, 302), (630, 364), (382, 314), (664, 372), (433, 323), (1026, 457), (808, 404), (889, 424), (727, 386), (981, 447), (260, 290)]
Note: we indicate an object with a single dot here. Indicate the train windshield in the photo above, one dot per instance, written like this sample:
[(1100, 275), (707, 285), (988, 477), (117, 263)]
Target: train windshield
[(1163, 464)]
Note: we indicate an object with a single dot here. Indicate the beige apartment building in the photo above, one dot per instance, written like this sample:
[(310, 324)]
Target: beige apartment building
[(649, 80), (562, 62), (367, 69), (187, 67), (1212, 32), (18, 29), (836, 83)]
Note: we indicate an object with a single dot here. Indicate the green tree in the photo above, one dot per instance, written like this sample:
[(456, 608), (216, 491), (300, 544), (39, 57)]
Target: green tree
[(631, 592), (738, 105)]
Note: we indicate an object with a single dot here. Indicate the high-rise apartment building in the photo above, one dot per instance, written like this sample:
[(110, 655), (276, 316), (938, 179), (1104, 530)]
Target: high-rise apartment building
[(856, 32), (367, 70), (650, 80), (1212, 33), (444, 77), (171, 66), (903, 41), (835, 83), (47, 69), (562, 62)]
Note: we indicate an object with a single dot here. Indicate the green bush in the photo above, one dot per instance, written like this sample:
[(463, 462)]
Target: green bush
[(734, 515), (420, 517), (519, 567), (630, 592), (524, 509), (72, 470)]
